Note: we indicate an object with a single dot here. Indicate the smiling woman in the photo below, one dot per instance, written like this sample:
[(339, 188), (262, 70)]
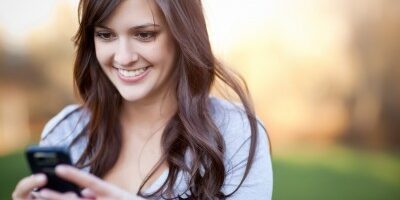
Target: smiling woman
[(135, 50), (148, 127)]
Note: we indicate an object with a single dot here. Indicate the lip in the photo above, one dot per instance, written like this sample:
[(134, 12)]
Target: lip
[(132, 79)]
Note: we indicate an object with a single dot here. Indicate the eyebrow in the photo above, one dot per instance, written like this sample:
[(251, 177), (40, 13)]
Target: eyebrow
[(132, 28)]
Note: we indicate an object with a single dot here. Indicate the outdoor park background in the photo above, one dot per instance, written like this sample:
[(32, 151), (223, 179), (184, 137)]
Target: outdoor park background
[(324, 76)]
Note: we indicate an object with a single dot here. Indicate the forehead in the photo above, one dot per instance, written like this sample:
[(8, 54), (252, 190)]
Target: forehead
[(134, 12)]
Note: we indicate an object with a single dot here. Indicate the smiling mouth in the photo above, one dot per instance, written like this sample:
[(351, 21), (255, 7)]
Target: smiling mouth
[(132, 73)]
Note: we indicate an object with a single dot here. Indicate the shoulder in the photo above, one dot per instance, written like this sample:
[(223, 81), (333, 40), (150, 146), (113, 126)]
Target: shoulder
[(225, 112), (232, 120), (233, 123), (64, 126)]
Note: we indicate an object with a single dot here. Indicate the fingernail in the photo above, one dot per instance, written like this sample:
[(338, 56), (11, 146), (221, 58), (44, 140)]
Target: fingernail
[(40, 177)]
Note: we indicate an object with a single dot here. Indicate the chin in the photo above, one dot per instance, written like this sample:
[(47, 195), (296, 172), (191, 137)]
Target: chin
[(131, 97)]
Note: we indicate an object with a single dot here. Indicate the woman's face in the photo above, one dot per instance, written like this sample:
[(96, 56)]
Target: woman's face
[(136, 51)]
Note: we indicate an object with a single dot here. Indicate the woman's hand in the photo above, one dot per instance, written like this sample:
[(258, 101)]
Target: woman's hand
[(95, 188), (24, 188)]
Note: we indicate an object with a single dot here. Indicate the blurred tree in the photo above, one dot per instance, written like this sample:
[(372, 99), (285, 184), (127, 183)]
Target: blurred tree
[(375, 107), (52, 47), (1, 46), (18, 81), (41, 75)]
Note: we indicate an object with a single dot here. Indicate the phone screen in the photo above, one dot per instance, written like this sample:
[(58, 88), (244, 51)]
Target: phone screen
[(44, 160)]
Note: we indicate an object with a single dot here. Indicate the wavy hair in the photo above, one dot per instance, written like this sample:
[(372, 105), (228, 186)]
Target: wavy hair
[(191, 129)]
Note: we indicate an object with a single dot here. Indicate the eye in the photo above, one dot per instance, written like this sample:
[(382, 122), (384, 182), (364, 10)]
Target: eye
[(105, 35), (145, 36)]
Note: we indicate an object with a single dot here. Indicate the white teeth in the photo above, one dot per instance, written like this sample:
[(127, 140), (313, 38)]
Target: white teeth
[(131, 73)]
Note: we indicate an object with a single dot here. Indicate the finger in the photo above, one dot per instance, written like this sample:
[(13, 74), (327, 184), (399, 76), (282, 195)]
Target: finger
[(83, 179), (26, 185), (50, 194), (88, 193), (34, 195)]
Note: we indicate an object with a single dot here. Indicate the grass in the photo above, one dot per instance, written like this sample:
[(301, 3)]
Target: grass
[(337, 174), (13, 167), (333, 174)]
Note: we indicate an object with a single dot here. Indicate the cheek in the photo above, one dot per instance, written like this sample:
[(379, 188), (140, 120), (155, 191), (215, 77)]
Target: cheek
[(103, 53), (163, 52)]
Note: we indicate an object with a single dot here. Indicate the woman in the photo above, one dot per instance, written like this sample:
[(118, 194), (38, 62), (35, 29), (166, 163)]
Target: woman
[(148, 127)]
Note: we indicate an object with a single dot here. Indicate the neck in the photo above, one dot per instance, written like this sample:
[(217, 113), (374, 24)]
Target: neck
[(140, 117)]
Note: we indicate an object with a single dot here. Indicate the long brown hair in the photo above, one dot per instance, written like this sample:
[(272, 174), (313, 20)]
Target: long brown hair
[(191, 129)]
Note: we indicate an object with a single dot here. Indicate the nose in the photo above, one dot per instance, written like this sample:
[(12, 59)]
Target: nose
[(125, 54)]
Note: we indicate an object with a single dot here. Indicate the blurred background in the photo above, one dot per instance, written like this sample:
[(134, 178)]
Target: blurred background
[(324, 76)]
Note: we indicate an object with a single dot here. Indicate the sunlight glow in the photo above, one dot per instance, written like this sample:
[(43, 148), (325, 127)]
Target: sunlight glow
[(19, 17)]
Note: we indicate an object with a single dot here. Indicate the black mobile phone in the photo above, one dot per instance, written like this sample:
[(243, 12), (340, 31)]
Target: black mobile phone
[(44, 160)]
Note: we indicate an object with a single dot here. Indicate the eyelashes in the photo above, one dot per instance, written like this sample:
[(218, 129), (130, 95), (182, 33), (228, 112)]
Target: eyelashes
[(105, 35), (144, 36)]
